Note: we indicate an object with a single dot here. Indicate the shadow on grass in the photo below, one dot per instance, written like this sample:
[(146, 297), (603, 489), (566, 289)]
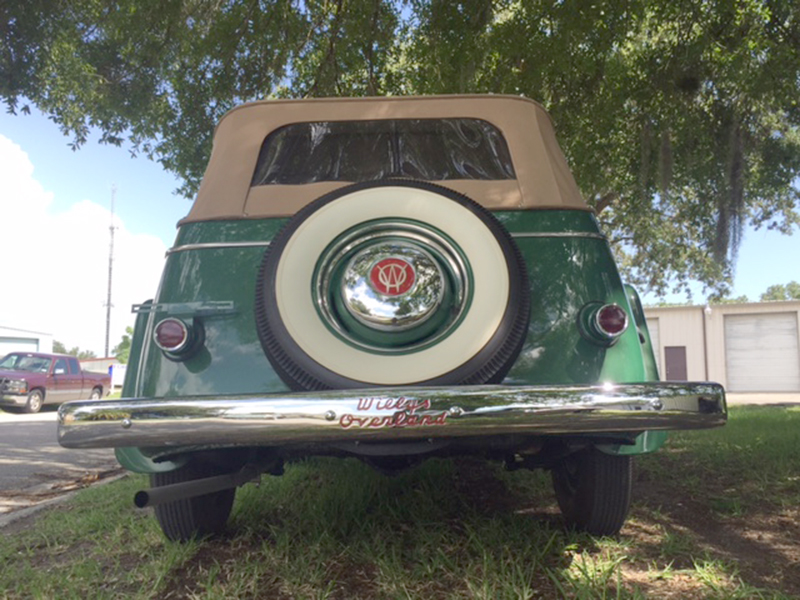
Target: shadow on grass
[(707, 522), (447, 529)]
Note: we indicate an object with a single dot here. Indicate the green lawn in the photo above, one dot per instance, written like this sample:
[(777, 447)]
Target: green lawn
[(448, 529)]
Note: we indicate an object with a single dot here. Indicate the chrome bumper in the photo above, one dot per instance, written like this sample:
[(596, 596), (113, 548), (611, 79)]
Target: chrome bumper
[(8, 399), (390, 414)]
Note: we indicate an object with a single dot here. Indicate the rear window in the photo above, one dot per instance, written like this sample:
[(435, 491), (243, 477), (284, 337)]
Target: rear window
[(427, 149)]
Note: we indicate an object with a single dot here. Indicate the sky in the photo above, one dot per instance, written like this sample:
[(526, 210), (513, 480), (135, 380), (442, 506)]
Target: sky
[(54, 232), (55, 214)]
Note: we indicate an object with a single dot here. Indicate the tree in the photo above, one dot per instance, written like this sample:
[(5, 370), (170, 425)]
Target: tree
[(60, 348), (123, 350), (790, 291), (680, 120), (727, 300)]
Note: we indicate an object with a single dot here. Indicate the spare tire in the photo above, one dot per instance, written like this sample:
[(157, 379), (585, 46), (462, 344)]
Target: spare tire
[(392, 283)]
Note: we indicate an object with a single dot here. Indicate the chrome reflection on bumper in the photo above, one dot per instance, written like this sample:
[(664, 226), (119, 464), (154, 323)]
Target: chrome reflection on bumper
[(390, 414)]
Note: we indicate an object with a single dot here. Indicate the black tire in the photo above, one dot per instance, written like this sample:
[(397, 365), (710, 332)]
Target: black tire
[(593, 490), (35, 402), (197, 517), (304, 365), (96, 394)]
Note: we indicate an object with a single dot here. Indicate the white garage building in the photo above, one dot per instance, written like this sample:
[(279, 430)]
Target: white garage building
[(750, 348), (23, 340)]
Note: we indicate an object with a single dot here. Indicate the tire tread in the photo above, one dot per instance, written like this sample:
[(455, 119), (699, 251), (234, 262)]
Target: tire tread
[(598, 498), (197, 517)]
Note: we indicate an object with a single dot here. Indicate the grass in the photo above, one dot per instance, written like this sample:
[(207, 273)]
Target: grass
[(448, 529), (756, 454)]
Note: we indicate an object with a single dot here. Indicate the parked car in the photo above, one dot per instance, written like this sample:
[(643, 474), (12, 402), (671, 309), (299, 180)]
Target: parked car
[(31, 379), (391, 279)]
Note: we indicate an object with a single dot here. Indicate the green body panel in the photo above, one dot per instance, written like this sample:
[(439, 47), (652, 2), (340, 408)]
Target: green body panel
[(547, 221), (648, 352), (646, 442), (568, 269), (134, 459), (231, 360), (649, 441), (218, 232), (566, 273), (137, 345)]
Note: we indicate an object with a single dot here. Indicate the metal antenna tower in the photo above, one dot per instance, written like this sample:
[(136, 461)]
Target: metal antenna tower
[(111, 229)]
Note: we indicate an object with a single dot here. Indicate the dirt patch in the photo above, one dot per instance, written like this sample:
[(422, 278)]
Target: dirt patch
[(760, 546), (218, 555), (222, 555), (16, 503), (674, 534), (477, 484)]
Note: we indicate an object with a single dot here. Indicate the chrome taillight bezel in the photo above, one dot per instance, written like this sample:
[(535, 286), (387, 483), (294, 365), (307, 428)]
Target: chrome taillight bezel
[(591, 327), (177, 349), (598, 318)]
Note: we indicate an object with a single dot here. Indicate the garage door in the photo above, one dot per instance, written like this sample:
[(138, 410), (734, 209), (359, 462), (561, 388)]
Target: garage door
[(652, 327), (761, 353), (9, 344)]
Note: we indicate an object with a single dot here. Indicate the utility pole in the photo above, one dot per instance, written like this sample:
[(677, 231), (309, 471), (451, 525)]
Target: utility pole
[(111, 229)]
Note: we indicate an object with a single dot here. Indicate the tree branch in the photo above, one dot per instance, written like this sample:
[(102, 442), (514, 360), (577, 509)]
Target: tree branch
[(604, 201), (330, 56)]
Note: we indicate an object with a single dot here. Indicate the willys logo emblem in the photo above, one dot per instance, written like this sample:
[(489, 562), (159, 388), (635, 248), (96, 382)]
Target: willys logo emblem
[(392, 276)]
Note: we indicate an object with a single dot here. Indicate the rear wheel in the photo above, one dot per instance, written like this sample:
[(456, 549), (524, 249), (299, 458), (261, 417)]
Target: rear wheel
[(35, 401), (97, 393), (593, 490), (195, 517)]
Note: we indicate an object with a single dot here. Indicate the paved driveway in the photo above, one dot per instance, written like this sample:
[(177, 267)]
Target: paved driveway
[(34, 467)]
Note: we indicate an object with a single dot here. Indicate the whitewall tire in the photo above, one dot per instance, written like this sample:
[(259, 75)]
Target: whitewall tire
[(313, 348)]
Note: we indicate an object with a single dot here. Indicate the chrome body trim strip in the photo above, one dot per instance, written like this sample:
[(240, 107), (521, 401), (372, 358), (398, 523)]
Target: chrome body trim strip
[(390, 414), (264, 244), (188, 309), (217, 246), (561, 234)]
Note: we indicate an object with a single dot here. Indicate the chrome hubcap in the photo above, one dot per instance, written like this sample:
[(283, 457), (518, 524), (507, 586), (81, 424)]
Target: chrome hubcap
[(392, 286)]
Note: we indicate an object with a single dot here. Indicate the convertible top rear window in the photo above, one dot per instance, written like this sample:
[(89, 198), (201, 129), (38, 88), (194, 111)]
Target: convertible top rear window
[(427, 149)]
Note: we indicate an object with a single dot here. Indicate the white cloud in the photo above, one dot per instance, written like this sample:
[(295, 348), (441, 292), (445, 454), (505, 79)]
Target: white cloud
[(55, 265)]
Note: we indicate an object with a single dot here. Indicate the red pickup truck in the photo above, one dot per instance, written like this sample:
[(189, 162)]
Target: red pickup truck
[(31, 379)]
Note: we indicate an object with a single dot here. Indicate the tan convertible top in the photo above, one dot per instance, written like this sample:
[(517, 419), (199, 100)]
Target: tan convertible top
[(543, 177)]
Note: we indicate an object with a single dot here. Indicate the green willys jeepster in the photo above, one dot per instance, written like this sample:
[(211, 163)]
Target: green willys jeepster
[(391, 279)]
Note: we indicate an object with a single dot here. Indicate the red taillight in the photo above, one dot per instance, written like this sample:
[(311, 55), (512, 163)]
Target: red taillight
[(611, 320), (172, 335), (602, 324)]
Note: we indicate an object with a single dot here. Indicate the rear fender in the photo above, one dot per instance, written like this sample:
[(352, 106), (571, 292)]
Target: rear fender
[(648, 352), (131, 383), (133, 459), (648, 441)]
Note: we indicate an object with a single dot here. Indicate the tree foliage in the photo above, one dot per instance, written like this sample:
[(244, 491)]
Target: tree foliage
[(122, 351), (60, 348), (778, 292), (680, 119)]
